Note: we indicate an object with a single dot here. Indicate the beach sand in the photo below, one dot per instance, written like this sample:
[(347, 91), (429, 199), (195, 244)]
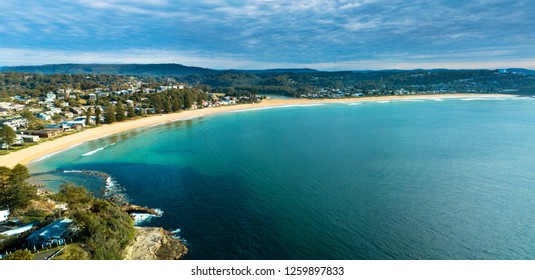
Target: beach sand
[(27, 155)]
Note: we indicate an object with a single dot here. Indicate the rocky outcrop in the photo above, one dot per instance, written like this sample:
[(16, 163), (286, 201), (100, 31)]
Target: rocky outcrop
[(131, 208), (154, 243)]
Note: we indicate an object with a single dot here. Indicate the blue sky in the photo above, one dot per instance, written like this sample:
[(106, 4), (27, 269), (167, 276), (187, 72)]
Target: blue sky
[(321, 34)]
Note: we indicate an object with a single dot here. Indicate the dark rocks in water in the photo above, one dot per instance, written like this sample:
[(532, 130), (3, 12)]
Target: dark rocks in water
[(131, 208)]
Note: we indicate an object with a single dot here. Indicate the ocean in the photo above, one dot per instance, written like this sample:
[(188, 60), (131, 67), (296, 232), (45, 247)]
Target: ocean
[(405, 179)]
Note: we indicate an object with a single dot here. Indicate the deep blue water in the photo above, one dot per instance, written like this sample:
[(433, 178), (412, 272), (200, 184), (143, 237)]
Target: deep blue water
[(436, 179)]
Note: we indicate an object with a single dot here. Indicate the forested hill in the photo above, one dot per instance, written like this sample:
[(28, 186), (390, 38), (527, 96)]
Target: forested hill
[(113, 69)]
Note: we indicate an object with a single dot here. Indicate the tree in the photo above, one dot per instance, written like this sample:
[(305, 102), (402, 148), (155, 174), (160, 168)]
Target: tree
[(88, 116), (130, 111), (188, 100), (9, 135), (19, 175), (98, 112), (20, 255), (120, 112), (110, 113), (76, 197)]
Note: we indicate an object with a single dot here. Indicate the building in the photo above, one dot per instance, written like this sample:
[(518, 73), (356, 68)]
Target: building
[(43, 133), (28, 138), (53, 234), (15, 123), (4, 214)]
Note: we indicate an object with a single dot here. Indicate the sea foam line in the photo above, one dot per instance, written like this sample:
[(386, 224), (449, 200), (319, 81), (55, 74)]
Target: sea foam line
[(275, 107), (97, 150)]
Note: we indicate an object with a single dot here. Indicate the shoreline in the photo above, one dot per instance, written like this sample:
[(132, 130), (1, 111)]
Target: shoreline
[(49, 148)]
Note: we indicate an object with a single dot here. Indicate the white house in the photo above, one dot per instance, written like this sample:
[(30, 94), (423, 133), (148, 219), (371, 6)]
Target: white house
[(4, 214)]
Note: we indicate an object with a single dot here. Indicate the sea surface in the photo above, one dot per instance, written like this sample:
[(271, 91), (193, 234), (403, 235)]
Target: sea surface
[(405, 179)]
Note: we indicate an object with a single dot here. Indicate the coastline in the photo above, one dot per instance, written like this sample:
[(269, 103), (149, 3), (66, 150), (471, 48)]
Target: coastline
[(48, 148)]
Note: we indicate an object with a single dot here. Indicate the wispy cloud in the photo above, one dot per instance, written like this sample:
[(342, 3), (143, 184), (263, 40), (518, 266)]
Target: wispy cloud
[(269, 32)]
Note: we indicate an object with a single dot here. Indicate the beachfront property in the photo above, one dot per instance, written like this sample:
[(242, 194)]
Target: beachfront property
[(15, 123), (53, 234), (28, 138), (43, 133)]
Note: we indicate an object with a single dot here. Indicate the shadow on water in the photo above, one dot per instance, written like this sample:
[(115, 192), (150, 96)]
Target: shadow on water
[(211, 211)]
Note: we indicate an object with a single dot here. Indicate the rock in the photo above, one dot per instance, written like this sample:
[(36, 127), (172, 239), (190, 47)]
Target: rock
[(154, 243), (131, 208)]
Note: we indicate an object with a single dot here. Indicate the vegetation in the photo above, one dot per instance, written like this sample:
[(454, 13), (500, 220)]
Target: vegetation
[(20, 255), (8, 134), (105, 228), (15, 192)]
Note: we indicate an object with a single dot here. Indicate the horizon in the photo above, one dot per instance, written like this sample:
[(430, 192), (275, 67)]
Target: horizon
[(271, 34), (268, 69)]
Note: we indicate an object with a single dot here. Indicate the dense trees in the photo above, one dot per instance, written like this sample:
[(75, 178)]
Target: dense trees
[(15, 192), (110, 114), (98, 113), (104, 227)]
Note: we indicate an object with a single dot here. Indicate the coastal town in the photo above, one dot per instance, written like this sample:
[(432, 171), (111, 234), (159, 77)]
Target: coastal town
[(27, 120)]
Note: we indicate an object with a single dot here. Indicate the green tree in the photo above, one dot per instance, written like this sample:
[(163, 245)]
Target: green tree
[(20, 255), (19, 175), (130, 111), (120, 112), (8, 134), (110, 113), (98, 112), (76, 197), (188, 100), (88, 113)]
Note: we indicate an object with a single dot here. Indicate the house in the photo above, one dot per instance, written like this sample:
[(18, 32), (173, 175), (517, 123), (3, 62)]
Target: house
[(4, 214), (15, 123), (55, 233), (43, 133), (28, 138), (92, 96)]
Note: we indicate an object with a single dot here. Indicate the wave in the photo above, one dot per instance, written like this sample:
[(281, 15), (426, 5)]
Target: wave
[(97, 150), (484, 98), (282, 106), (140, 218), (412, 100), (354, 103), (383, 101), (176, 235)]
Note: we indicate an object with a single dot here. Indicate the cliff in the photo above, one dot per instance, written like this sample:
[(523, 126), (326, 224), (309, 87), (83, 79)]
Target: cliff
[(154, 243)]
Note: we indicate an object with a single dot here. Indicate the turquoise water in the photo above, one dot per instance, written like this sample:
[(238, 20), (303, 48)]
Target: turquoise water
[(433, 179)]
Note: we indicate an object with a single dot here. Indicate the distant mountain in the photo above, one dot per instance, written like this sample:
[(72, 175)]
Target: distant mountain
[(281, 70), (115, 69)]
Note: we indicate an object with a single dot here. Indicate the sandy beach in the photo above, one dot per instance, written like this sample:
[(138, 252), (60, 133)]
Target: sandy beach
[(27, 155)]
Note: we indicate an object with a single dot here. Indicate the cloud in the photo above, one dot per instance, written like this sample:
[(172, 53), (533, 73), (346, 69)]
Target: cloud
[(275, 31)]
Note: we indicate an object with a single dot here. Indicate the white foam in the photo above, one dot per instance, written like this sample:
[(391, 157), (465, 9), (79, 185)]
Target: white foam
[(383, 101), (176, 235), (140, 218), (275, 107), (412, 100), (73, 171), (354, 103), (97, 150)]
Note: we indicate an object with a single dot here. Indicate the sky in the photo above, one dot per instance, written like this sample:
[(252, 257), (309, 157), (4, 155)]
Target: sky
[(262, 34)]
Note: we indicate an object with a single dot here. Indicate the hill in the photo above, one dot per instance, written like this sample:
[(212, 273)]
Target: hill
[(114, 69)]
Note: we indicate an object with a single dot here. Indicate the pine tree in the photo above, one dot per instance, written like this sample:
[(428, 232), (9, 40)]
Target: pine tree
[(120, 113), (110, 113), (88, 116), (131, 112), (98, 112)]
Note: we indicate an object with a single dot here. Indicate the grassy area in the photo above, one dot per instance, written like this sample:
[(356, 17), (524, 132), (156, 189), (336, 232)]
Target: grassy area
[(73, 251), (42, 140)]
